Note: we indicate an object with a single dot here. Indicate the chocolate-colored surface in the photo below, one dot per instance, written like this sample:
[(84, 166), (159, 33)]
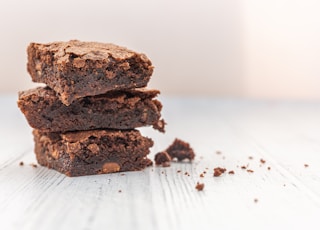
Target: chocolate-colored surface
[(92, 152), (180, 150), (125, 109), (162, 158), (76, 69)]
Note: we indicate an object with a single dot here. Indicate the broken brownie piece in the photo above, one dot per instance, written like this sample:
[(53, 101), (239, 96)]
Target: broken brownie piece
[(76, 69), (218, 171), (180, 150), (127, 109), (199, 186), (162, 158), (92, 152)]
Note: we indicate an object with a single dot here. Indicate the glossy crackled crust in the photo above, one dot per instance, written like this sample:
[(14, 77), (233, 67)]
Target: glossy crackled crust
[(92, 152), (125, 109), (77, 69)]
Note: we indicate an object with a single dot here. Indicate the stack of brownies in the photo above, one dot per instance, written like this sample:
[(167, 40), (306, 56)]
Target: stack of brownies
[(84, 120)]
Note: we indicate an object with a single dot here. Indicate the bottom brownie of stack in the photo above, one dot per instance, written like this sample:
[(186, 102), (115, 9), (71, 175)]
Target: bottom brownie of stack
[(92, 152)]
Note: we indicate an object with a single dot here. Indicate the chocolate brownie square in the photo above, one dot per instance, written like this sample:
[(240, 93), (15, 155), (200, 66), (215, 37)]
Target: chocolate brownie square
[(76, 69), (92, 152), (126, 109)]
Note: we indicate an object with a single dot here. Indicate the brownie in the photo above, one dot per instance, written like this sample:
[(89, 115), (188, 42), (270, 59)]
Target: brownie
[(92, 152), (125, 109), (180, 150), (199, 186), (162, 158), (218, 171), (76, 69)]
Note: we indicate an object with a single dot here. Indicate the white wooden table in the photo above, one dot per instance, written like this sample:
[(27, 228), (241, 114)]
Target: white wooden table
[(285, 134)]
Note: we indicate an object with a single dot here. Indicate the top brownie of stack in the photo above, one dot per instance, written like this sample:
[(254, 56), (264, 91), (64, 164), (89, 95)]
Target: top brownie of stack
[(76, 69)]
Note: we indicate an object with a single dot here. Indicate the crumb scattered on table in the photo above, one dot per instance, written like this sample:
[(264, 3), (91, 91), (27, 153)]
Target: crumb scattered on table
[(200, 186), (34, 165), (163, 159), (306, 165), (255, 200), (218, 171), (180, 150), (231, 172), (262, 161), (269, 168), (21, 163), (250, 171)]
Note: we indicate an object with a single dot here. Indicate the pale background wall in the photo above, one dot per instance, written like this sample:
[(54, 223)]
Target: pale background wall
[(233, 48)]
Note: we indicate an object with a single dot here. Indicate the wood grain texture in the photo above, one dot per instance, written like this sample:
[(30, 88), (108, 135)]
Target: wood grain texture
[(286, 135)]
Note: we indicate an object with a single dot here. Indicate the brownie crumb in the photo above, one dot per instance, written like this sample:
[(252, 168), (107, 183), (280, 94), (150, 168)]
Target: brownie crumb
[(21, 163), (262, 161), (199, 186), (122, 174), (201, 175), (187, 174), (250, 157), (218, 171), (255, 200), (34, 165), (159, 125), (119, 191), (180, 150), (204, 172), (163, 159), (306, 165), (218, 152), (243, 167), (178, 171), (269, 168), (250, 171), (231, 172)]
